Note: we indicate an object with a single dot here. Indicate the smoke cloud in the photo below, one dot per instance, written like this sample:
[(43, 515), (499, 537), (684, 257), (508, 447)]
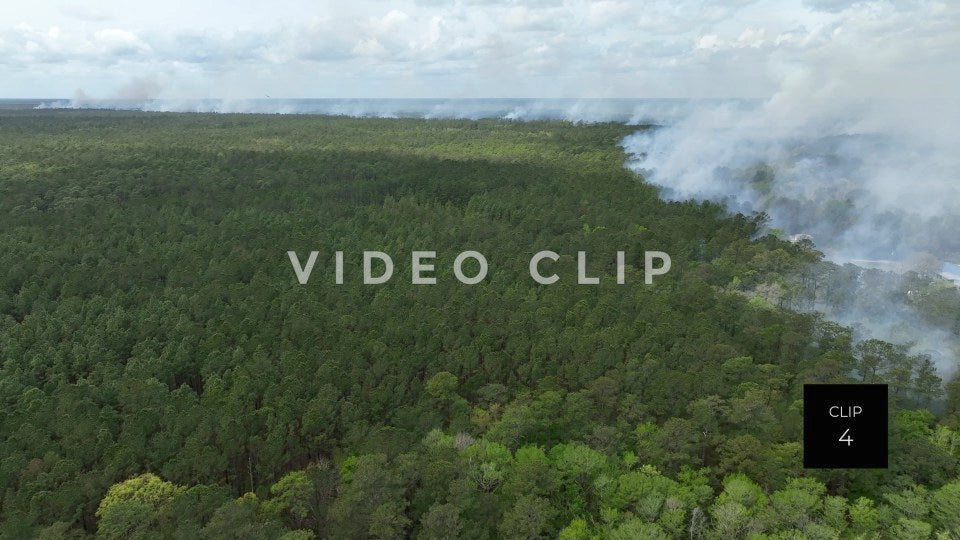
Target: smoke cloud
[(875, 180), (846, 155), (149, 95)]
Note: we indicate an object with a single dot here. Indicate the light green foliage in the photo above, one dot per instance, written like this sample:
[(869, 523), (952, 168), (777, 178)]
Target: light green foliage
[(945, 507), (911, 529), (638, 529), (135, 505), (292, 495), (568, 491), (576, 530), (739, 489), (865, 518), (835, 513), (799, 503), (645, 493)]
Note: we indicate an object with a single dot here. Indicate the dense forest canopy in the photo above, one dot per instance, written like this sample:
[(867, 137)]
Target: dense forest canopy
[(163, 373)]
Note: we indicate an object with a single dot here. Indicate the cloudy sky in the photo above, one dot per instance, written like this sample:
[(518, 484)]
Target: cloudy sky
[(471, 48)]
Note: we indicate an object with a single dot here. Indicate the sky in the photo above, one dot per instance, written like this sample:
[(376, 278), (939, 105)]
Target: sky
[(238, 49)]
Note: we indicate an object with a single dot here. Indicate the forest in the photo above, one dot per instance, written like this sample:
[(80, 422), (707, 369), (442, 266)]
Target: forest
[(163, 374)]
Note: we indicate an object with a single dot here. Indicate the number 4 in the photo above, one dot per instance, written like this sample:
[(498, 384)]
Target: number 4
[(846, 438)]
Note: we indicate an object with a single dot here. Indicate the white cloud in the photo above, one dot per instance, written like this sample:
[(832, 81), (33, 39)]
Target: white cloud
[(709, 41), (369, 47), (390, 22), (606, 47)]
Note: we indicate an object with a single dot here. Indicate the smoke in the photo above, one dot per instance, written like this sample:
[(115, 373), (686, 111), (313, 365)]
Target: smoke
[(137, 92), (866, 180), (148, 95), (141, 89), (855, 148), (844, 154)]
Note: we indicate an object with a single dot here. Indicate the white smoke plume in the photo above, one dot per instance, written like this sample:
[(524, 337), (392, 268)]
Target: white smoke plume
[(856, 151), (147, 95), (867, 180)]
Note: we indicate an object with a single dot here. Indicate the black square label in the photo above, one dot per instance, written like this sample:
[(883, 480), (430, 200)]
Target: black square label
[(844, 426)]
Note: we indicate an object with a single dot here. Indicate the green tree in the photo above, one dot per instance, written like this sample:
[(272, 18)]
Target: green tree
[(442, 521), (133, 507), (529, 518)]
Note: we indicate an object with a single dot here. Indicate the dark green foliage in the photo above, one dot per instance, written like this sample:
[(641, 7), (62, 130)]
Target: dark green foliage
[(153, 338)]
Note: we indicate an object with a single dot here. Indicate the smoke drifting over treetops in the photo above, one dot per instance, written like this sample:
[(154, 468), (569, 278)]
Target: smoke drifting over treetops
[(871, 179), (855, 148), (865, 179), (631, 111)]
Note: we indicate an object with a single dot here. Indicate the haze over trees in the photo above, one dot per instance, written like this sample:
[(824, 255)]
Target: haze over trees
[(163, 374)]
